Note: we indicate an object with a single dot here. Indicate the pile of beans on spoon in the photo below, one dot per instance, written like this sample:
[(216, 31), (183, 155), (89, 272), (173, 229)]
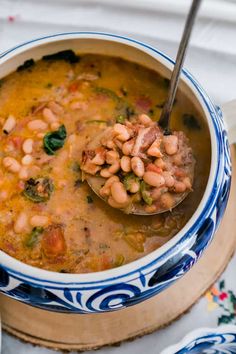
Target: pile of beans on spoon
[(140, 167)]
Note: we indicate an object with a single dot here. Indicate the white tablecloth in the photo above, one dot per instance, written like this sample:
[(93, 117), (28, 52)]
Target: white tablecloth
[(211, 59)]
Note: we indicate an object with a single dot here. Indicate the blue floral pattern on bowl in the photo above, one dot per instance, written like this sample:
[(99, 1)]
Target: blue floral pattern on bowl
[(130, 288), (221, 340)]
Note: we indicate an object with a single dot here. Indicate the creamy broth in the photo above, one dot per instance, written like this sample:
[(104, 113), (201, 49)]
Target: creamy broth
[(70, 229)]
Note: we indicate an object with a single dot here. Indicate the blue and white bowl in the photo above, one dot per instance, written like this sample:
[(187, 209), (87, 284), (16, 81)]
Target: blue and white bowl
[(135, 282), (221, 340)]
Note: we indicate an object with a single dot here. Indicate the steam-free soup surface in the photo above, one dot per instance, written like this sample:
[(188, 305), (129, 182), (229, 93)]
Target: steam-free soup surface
[(49, 110)]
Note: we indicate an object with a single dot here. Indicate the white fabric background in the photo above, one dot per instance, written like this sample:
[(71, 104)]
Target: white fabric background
[(211, 59)]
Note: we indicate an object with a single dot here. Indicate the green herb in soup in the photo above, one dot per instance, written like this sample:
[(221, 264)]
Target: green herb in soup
[(49, 111), (38, 190), (54, 140), (33, 237)]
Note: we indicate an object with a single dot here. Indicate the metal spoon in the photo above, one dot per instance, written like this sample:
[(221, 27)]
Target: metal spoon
[(164, 121), (96, 182)]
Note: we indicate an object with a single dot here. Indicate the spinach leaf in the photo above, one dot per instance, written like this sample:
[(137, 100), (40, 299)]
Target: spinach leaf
[(145, 193), (67, 55), (38, 190), (129, 179), (32, 238), (107, 92), (27, 64), (191, 122), (54, 140)]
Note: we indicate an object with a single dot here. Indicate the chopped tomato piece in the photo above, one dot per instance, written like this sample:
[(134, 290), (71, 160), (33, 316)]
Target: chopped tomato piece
[(53, 241), (153, 168), (105, 262), (73, 87)]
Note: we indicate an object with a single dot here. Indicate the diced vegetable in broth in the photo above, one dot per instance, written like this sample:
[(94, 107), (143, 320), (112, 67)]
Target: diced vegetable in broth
[(49, 111)]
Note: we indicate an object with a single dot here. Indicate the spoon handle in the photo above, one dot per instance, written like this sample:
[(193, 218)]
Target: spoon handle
[(165, 115)]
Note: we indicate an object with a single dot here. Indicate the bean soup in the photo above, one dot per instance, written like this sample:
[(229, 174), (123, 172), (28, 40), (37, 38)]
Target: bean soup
[(49, 111)]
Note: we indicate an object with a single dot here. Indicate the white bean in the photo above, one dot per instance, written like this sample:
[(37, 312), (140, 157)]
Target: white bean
[(9, 124), (28, 146), (112, 156), (112, 203), (137, 166), (119, 193), (105, 191), (160, 163), (105, 173), (98, 159), (145, 120), (156, 193), (170, 144), (49, 116), (37, 124), (187, 182), (111, 180), (179, 187), (178, 160), (110, 144), (153, 179), (114, 167), (128, 147), (121, 132), (55, 107), (154, 149), (11, 164), (39, 220), (169, 179), (21, 223), (27, 160), (118, 143), (116, 205), (125, 163)]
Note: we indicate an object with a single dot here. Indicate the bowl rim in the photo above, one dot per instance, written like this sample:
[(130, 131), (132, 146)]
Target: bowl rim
[(198, 334), (33, 274)]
